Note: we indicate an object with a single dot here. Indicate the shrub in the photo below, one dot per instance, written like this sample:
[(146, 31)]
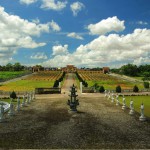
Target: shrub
[(101, 89), (118, 89), (13, 95), (135, 89), (146, 85)]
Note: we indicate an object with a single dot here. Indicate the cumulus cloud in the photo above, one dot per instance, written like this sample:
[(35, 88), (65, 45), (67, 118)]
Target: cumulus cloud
[(112, 50), (39, 56), (75, 36), (76, 7), (106, 26), (27, 2), (18, 33), (53, 4), (60, 50)]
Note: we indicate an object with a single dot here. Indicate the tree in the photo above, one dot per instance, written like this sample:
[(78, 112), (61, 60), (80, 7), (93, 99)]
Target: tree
[(9, 67), (17, 67), (118, 89), (101, 89), (13, 95), (129, 69), (135, 89)]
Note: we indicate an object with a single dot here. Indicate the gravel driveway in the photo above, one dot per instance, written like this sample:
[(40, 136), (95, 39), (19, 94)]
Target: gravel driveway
[(99, 124)]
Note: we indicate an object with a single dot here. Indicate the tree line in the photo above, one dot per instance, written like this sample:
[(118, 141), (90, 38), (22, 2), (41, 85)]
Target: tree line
[(12, 67), (134, 71)]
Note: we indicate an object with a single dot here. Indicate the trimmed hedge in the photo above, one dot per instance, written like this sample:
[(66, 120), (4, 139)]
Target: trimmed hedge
[(85, 84)]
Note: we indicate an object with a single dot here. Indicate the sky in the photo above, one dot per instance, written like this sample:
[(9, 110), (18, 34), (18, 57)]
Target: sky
[(84, 33)]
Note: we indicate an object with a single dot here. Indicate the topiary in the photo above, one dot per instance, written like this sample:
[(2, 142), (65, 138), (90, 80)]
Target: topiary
[(118, 89), (13, 95), (135, 89), (101, 89)]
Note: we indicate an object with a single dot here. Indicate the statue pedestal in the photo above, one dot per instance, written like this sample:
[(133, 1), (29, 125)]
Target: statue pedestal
[(142, 118), (131, 112), (124, 107)]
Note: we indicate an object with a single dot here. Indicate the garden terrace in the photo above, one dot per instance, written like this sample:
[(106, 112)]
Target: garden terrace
[(43, 79), (45, 75), (109, 82)]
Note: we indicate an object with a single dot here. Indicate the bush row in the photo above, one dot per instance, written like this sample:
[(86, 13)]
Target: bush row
[(56, 83), (85, 84)]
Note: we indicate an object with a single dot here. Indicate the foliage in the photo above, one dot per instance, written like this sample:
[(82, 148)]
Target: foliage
[(133, 70), (118, 89), (85, 84), (10, 67), (146, 85), (56, 83), (101, 89), (129, 69), (135, 89), (96, 86), (13, 95)]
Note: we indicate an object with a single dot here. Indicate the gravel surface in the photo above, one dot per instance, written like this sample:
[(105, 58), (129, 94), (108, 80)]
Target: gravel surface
[(47, 123)]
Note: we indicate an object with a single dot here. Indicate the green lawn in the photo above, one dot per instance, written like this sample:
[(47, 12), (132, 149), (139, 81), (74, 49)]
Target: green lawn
[(14, 101), (111, 84), (6, 75), (137, 101), (26, 85)]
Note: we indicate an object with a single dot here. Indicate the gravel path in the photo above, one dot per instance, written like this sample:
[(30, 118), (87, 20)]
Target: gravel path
[(99, 124), (69, 81)]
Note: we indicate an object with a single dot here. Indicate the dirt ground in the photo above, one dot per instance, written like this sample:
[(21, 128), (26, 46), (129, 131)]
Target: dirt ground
[(47, 124)]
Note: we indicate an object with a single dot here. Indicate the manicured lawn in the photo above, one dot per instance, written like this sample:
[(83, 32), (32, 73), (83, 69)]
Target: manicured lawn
[(137, 101), (111, 84), (6, 75), (26, 85)]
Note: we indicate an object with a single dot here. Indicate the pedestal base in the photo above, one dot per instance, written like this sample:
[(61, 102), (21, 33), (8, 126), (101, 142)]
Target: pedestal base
[(124, 107), (131, 112), (72, 111), (142, 118)]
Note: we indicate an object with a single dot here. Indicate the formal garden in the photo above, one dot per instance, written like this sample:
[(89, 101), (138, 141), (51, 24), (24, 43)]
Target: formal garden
[(43, 79)]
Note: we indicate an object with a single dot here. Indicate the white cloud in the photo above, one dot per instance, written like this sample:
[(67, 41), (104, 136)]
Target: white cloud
[(60, 50), (36, 21), (53, 4), (54, 26), (27, 2), (111, 50), (76, 7), (18, 33), (142, 23), (75, 35), (106, 26), (39, 56)]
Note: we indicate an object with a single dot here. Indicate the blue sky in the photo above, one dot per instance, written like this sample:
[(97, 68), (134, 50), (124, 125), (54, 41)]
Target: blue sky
[(85, 33)]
